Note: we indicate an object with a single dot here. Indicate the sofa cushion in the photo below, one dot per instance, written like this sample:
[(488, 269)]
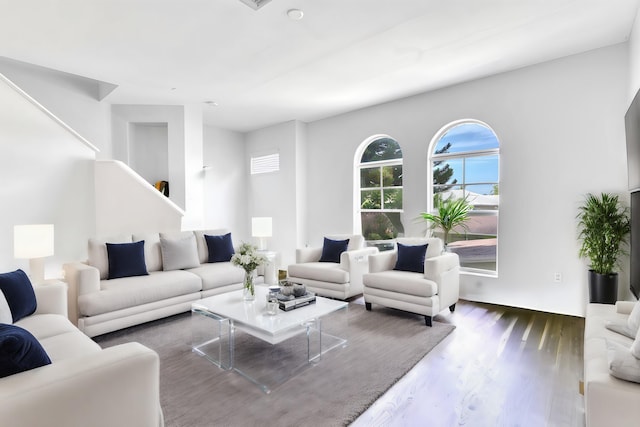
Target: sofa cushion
[(126, 259), (218, 274), (404, 282), (203, 251), (5, 311), (411, 258), (128, 292), (19, 351), (69, 345), (321, 271), (46, 325), (220, 247), (18, 291), (152, 252), (98, 252), (331, 249), (179, 252)]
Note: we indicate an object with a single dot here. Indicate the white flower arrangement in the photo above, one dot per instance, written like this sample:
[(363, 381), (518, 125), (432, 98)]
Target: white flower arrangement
[(248, 258)]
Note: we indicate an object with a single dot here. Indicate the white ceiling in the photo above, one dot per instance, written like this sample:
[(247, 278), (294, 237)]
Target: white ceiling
[(263, 68)]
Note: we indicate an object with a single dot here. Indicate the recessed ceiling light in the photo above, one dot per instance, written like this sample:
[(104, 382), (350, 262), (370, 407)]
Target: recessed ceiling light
[(211, 103), (295, 14)]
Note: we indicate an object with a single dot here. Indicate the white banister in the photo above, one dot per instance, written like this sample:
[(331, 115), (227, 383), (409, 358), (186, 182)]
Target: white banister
[(49, 113)]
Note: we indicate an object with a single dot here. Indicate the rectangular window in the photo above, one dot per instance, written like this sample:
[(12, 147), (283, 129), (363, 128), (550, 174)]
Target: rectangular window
[(265, 164)]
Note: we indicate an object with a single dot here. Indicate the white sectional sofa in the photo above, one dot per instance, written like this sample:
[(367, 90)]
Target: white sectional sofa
[(100, 305), (84, 385), (609, 401)]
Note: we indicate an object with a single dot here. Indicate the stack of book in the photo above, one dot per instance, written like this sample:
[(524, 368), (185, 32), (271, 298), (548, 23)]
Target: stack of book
[(289, 302)]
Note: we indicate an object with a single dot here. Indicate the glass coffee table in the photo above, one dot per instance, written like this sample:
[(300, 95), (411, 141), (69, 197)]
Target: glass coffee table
[(266, 349)]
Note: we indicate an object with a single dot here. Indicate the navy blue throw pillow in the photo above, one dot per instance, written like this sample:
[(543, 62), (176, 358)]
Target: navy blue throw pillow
[(126, 259), (331, 250), (411, 258), (19, 351), (18, 292), (220, 247)]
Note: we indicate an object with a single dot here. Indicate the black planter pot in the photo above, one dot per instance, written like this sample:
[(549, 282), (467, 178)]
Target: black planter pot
[(603, 288)]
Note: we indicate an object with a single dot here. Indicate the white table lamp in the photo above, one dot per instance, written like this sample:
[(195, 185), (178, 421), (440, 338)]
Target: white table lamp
[(261, 227), (33, 242)]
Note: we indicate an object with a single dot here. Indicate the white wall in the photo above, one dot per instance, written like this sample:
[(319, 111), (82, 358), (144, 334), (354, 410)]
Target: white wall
[(47, 176), (562, 135), (73, 99), (184, 124), (126, 203), (634, 59), (275, 194), (149, 154), (225, 180)]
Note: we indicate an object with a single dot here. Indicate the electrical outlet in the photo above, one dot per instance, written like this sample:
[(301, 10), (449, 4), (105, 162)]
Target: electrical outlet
[(557, 277)]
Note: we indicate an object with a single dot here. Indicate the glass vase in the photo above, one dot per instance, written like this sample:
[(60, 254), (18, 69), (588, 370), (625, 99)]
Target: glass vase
[(249, 290)]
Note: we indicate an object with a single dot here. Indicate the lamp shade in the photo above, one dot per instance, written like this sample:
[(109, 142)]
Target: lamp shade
[(261, 227), (33, 241)]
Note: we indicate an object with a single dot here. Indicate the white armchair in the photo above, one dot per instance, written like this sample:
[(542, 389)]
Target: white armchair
[(332, 279), (425, 293)]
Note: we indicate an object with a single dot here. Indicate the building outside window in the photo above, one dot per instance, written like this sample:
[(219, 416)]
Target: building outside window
[(380, 192), (465, 162)]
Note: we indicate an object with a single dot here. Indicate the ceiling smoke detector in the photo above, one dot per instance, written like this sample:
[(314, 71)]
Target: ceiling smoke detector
[(255, 4)]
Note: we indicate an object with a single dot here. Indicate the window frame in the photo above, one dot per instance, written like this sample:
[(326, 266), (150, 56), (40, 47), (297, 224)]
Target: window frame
[(357, 183), (432, 157)]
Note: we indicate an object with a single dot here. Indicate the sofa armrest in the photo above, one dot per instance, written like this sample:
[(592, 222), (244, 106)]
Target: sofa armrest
[(308, 255), (51, 298), (382, 261), (82, 279), (625, 307), (117, 386)]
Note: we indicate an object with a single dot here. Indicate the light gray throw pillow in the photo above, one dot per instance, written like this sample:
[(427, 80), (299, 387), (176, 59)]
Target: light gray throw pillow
[(622, 363), (5, 311), (633, 321), (621, 328), (180, 252)]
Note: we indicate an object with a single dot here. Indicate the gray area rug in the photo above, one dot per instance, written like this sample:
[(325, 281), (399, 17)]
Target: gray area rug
[(384, 344)]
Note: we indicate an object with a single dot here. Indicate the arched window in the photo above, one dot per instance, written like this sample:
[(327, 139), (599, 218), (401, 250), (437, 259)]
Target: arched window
[(464, 158), (378, 191)]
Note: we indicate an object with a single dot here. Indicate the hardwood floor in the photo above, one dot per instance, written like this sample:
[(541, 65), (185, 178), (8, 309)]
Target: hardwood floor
[(502, 366)]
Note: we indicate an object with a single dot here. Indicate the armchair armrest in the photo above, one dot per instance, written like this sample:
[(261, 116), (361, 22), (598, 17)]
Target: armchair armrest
[(434, 267), (308, 255), (624, 307), (82, 279), (116, 386), (382, 261), (351, 259), (444, 270), (51, 298)]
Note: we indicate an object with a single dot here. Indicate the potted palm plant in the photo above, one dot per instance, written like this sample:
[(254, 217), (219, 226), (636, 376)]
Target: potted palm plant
[(603, 225), (451, 213)]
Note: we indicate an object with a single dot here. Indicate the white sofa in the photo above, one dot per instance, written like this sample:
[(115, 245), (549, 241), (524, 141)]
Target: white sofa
[(425, 293), (84, 385), (608, 400), (99, 305), (340, 280)]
